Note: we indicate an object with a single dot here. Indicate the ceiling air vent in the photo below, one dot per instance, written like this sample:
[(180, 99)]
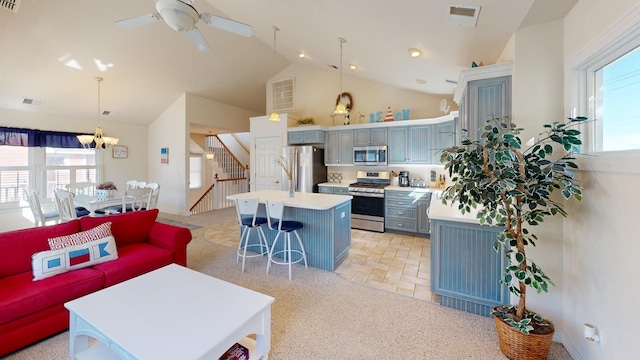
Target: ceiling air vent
[(34, 102), (284, 95), (11, 5), (463, 15)]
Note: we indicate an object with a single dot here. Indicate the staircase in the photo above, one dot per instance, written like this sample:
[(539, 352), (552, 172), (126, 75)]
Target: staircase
[(231, 177)]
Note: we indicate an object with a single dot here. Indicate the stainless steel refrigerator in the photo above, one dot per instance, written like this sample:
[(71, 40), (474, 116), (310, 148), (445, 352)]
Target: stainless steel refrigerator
[(310, 169)]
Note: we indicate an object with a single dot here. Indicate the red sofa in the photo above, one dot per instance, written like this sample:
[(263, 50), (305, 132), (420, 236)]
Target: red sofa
[(33, 310)]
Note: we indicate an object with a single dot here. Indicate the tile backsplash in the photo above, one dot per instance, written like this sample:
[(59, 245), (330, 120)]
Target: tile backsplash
[(348, 173)]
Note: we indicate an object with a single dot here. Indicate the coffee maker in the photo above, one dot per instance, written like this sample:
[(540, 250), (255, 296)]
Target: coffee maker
[(403, 179)]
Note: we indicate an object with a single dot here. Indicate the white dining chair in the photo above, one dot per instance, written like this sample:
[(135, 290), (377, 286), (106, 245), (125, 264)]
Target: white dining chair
[(132, 200), (40, 217), (85, 188), (66, 208), (155, 187), (132, 184), (141, 184)]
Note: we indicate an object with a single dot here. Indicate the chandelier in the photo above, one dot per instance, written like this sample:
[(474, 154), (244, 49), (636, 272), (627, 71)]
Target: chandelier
[(101, 142)]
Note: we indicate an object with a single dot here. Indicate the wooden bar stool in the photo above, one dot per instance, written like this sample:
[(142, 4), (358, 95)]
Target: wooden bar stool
[(247, 210), (275, 213)]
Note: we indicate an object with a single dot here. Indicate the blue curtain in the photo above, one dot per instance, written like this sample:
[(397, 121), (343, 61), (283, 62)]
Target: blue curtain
[(38, 138)]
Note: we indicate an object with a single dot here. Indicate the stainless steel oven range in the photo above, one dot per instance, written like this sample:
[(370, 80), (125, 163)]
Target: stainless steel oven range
[(367, 205)]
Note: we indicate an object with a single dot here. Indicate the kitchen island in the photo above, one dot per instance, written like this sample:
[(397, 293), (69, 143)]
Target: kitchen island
[(465, 270), (326, 234)]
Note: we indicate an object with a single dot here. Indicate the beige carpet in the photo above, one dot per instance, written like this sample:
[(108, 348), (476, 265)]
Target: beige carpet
[(320, 315)]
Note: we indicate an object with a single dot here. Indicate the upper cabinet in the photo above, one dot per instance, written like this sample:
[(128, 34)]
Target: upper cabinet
[(306, 137), (338, 149), (482, 93), (410, 144), (445, 135), (373, 136)]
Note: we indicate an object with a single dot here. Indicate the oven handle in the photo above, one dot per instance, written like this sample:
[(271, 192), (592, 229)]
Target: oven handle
[(376, 195)]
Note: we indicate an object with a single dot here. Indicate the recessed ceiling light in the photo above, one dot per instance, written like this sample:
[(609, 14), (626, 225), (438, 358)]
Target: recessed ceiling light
[(420, 81), (301, 55), (353, 66), (415, 52)]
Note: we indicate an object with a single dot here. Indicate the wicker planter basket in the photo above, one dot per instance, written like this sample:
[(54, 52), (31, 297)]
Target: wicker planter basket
[(518, 346)]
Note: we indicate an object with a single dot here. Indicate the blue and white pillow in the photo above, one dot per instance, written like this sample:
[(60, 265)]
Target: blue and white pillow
[(54, 262)]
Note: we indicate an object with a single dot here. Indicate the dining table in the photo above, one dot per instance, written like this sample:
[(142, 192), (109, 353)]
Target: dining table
[(93, 202)]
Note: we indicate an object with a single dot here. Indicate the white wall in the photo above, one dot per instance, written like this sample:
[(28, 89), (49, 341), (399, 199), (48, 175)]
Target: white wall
[(538, 99), (212, 113), (600, 239), (170, 130), (116, 170), (316, 92)]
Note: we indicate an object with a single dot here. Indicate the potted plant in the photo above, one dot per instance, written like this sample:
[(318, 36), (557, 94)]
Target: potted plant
[(512, 187), (306, 121)]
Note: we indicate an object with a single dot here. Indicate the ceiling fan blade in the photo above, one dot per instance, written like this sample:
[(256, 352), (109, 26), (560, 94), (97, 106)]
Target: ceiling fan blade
[(139, 21), (227, 24), (198, 40)]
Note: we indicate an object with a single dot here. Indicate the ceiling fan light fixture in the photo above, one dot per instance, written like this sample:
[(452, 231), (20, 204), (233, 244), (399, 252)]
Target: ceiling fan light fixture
[(178, 15)]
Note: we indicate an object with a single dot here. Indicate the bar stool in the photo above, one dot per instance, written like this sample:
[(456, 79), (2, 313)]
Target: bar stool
[(275, 212), (247, 210)]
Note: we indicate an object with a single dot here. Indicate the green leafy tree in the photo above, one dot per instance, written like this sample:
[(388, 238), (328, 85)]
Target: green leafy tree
[(512, 187)]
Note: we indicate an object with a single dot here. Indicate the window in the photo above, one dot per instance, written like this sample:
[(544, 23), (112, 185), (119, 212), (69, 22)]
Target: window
[(616, 90), (604, 87), (68, 166), (43, 169), (14, 174), (195, 171)]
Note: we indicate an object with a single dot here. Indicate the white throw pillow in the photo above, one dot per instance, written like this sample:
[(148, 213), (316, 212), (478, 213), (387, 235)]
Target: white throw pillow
[(53, 262)]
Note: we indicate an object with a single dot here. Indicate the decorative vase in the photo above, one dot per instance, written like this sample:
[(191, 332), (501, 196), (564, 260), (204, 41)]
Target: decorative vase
[(292, 190), (518, 346)]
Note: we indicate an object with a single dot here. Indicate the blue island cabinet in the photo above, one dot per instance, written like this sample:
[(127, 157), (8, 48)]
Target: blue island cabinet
[(326, 219), (326, 234), (465, 270)]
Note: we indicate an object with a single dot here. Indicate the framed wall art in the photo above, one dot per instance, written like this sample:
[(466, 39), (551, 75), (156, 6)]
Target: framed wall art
[(120, 152), (164, 155)]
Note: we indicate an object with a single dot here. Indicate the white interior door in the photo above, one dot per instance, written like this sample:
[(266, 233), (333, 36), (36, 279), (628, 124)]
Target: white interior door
[(268, 175)]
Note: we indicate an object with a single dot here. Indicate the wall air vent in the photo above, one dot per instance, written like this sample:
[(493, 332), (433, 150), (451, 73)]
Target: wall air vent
[(463, 15), (11, 5), (284, 95), (34, 102)]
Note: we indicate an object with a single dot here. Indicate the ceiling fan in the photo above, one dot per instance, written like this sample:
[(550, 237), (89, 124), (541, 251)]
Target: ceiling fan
[(181, 16)]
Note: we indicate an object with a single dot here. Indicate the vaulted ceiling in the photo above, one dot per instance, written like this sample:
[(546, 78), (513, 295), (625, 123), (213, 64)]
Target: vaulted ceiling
[(52, 50)]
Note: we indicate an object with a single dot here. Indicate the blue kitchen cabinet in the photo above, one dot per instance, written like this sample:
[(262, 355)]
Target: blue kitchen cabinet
[(482, 100), (306, 137), (370, 137), (445, 135), (338, 148), (410, 144)]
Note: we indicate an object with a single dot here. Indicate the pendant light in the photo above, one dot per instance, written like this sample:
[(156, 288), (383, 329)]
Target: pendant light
[(209, 154), (341, 109), (274, 115), (101, 142)]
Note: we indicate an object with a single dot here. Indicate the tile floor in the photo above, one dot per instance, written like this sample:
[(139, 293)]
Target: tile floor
[(393, 262)]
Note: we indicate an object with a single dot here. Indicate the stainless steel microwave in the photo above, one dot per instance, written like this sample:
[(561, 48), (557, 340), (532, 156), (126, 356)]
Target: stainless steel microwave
[(370, 155)]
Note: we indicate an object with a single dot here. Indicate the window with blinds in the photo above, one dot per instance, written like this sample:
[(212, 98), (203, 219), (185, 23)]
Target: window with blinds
[(43, 169)]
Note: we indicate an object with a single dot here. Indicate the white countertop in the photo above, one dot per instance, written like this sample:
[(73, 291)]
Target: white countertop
[(450, 212), (313, 201)]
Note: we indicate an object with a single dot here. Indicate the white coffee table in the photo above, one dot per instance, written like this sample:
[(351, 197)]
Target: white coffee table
[(170, 313)]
